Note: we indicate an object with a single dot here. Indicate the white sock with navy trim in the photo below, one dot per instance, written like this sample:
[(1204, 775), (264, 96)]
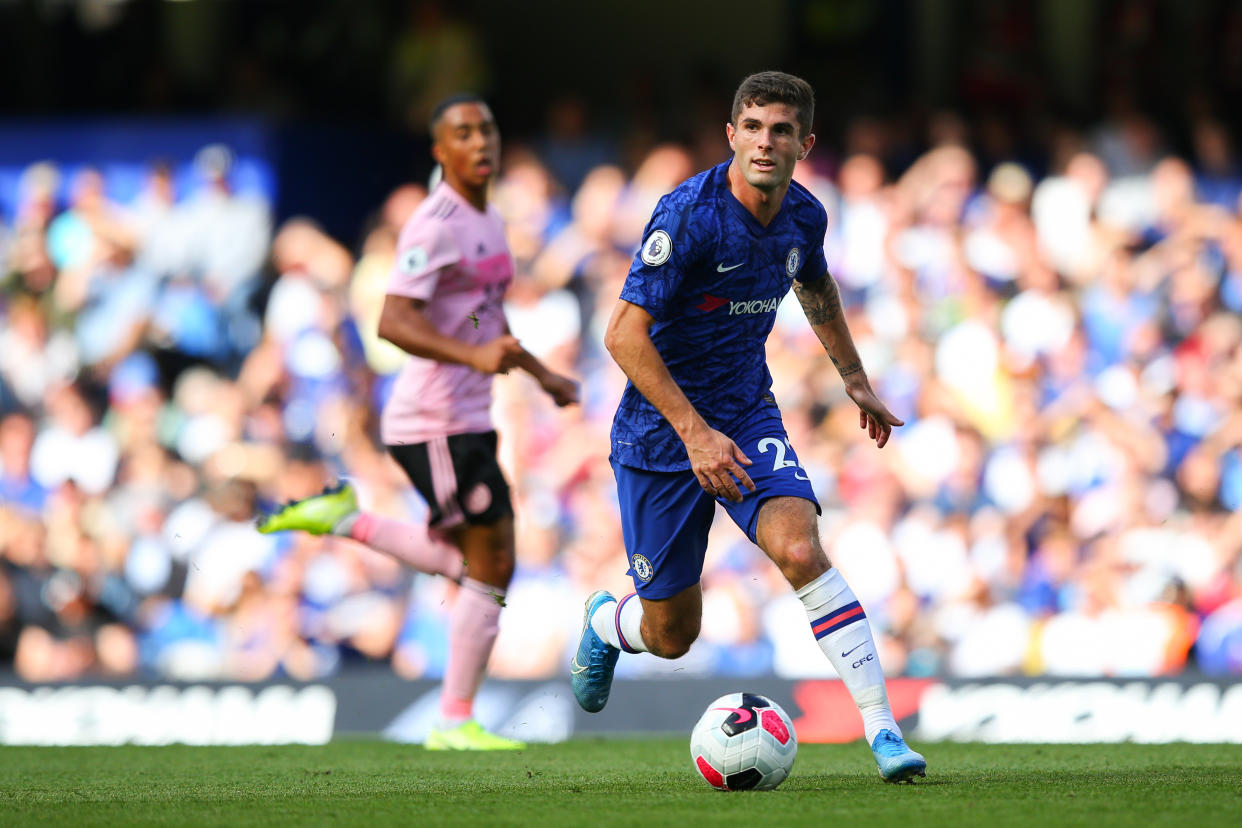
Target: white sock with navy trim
[(620, 624), (840, 626)]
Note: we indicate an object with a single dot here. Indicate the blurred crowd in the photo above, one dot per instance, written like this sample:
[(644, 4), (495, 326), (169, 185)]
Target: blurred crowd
[(1063, 340)]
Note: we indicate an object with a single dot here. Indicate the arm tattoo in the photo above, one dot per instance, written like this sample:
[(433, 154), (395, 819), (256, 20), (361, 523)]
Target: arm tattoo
[(846, 370), (821, 302)]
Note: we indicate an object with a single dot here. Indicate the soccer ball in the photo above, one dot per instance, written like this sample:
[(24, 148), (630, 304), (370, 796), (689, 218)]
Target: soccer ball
[(743, 742)]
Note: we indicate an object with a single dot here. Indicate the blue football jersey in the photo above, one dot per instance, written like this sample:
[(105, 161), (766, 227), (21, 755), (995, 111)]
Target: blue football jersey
[(712, 276)]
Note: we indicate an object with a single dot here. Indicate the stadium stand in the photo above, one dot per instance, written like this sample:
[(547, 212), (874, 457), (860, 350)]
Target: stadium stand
[(1066, 350)]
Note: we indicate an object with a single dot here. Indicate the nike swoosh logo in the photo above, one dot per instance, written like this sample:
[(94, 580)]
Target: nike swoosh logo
[(744, 713), (720, 268), (847, 652), (575, 668)]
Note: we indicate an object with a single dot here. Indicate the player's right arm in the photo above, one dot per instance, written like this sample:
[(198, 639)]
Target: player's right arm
[(425, 251), (651, 292), (404, 323), (715, 459)]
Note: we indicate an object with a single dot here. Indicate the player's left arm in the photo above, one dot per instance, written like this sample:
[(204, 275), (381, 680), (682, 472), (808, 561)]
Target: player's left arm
[(821, 302), (563, 390)]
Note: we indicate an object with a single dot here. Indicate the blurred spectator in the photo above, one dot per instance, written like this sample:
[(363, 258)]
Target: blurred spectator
[(856, 235), (437, 55), (72, 236), (570, 145), (30, 268), (17, 488), (1218, 173), (72, 445), (369, 281), (162, 238), (227, 242), (34, 354), (1063, 207), (112, 316), (231, 232)]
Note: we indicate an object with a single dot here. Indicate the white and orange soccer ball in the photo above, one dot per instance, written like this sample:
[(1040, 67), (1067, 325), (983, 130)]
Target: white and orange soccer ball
[(743, 742)]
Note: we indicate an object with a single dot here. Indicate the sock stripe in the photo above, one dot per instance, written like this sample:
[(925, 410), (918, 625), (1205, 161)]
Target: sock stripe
[(625, 645), (837, 619)]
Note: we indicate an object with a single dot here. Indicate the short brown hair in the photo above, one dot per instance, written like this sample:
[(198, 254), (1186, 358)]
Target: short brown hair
[(763, 88)]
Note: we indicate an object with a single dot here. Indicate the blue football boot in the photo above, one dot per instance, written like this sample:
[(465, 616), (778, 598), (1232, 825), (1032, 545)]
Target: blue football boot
[(895, 760), (591, 670)]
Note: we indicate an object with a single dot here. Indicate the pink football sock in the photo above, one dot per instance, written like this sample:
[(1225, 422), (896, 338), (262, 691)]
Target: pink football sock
[(473, 625), (410, 543)]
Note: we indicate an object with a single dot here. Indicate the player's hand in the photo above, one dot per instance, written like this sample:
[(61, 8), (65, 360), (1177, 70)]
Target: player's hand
[(562, 390), (873, 415), (716, 461), (497, 356)]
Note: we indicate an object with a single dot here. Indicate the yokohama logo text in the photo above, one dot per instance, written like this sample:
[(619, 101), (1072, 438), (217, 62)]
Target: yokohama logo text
[(753, 306)]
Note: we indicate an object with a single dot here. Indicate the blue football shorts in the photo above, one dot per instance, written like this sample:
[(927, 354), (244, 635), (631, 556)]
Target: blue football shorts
[(665, 516)]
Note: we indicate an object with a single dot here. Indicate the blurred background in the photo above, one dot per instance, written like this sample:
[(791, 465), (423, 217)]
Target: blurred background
[(1034, 217)]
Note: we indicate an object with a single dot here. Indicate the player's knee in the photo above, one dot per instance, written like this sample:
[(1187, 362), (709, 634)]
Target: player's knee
[(490, 556), (673, 639), (800, 559), (502, 570), (672, 647), (502, 561)]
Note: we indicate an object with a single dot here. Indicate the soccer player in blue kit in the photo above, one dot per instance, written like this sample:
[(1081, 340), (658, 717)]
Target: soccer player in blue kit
[(697, 424)]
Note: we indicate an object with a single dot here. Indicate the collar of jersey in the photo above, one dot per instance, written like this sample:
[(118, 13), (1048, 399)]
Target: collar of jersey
[(461, 200), (739, 208)]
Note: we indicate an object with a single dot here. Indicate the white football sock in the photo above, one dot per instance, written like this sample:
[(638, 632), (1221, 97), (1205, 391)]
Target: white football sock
[(620, 624), (840, 626)]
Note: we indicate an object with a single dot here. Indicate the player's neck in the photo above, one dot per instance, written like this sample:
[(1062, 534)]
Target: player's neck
[(762, 204), (476, 198)]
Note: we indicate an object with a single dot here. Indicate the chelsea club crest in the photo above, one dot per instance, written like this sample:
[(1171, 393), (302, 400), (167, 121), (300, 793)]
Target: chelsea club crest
[(793, 261), (642, 568)]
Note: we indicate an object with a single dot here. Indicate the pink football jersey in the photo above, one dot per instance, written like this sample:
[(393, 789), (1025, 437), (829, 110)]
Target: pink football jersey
[(455, 258)]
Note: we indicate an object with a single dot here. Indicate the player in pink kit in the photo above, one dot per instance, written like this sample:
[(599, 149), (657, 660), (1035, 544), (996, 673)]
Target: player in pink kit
[(444, 308)]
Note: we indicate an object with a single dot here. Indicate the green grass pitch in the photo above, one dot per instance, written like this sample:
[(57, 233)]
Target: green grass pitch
[(614, 782)]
